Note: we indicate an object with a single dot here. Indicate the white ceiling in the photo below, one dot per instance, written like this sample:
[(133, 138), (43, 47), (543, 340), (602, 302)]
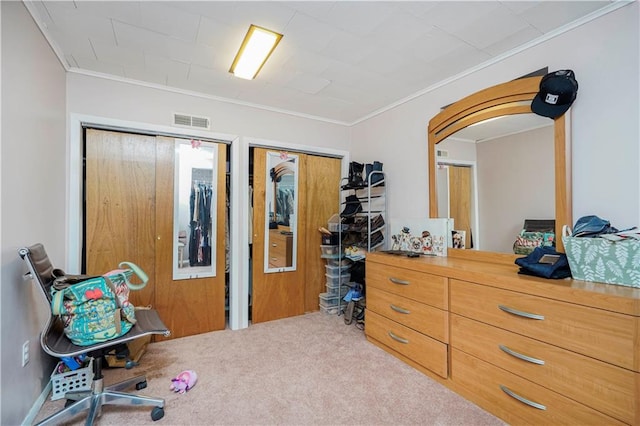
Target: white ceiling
[(339, 61)]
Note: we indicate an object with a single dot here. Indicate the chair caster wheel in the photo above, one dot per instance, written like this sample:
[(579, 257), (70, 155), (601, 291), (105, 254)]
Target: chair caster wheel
[(157, 413), (141, 385), (130, 364)]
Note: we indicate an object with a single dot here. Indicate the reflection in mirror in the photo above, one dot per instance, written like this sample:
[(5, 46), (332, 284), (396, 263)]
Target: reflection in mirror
[(493, 175), (281, 210), (512, 98), (194, 226)]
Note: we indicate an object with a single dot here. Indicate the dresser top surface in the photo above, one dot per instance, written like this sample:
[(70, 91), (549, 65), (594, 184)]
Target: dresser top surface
[(611, 297)]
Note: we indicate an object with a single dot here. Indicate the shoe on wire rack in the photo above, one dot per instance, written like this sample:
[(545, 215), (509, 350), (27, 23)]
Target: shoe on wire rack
[(353, 206), (354, 293), (358, 311), (377, 222)]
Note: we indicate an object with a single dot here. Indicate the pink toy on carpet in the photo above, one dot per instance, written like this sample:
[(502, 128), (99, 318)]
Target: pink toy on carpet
[(184, 381)]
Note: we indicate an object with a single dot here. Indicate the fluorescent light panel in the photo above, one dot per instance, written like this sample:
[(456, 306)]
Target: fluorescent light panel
[(254, 52)]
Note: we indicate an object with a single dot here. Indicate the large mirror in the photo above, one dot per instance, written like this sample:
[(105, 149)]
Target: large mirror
[(281, 211), (195, 200), (493, 164)]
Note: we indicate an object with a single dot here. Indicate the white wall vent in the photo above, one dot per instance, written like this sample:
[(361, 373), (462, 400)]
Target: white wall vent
[(186, 120), (442, 153)]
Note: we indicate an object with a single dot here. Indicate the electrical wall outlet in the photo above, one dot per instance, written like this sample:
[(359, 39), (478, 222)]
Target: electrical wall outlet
[(25, 353)]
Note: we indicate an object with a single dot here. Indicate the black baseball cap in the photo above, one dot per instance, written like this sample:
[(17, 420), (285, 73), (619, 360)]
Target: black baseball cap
[(558, 90)]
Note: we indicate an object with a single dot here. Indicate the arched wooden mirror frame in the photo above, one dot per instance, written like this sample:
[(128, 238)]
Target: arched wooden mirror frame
[(513, 97)]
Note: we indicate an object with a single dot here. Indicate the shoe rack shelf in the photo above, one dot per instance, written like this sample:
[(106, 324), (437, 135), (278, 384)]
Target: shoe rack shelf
[(361, 224), (364, 211)]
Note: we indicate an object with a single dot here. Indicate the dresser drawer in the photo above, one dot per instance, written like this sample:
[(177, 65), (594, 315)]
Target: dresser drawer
[(418, 316), (604, 335), (599, 385), (422, 349), (517, 400), (280, 249), (420, 286)]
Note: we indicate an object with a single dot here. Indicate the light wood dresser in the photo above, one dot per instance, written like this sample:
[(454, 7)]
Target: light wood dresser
[(280, 249), (528, 350)]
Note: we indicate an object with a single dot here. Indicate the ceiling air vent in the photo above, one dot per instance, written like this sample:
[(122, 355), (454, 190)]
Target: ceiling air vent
[(442, 153), (185, 120)]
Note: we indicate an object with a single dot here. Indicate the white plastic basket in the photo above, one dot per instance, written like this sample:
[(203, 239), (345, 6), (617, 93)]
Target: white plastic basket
[(75, 380)]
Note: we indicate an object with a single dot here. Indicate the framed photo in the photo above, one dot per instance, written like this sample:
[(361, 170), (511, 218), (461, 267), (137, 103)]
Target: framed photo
[(429, 236), (458, 238)]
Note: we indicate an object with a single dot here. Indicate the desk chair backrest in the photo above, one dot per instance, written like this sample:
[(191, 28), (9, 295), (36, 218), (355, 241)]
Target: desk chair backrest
[(40, 267)]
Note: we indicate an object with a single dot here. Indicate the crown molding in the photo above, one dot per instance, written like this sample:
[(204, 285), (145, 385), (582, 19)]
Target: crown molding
[(74, 70), (33, 11)]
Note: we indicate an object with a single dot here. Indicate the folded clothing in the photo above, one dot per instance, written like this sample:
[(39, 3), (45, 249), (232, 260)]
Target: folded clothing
[(530, 265)]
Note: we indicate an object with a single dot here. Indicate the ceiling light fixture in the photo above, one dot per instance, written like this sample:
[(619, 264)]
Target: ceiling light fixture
[(254, 52)]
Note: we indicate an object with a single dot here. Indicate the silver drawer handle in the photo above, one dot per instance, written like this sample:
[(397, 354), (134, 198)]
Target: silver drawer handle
[(399, 309), (520, 356), (520, 313), (397, 281), (522, 399), (399, 339)]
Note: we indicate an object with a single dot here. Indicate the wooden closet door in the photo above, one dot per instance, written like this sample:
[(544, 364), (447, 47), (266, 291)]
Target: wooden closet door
[(460, 199), (323, 181), (276, 295), (195, 305), (120, 209)]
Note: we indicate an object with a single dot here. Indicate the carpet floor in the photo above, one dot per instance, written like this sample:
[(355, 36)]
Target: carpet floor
[(306, 370)]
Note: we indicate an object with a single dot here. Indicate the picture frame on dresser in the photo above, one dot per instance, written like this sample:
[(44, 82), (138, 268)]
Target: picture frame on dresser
[(428, 236)]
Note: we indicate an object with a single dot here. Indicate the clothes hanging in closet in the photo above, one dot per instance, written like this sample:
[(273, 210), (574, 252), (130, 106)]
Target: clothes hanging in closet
[(285, 205), (200, 225)]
